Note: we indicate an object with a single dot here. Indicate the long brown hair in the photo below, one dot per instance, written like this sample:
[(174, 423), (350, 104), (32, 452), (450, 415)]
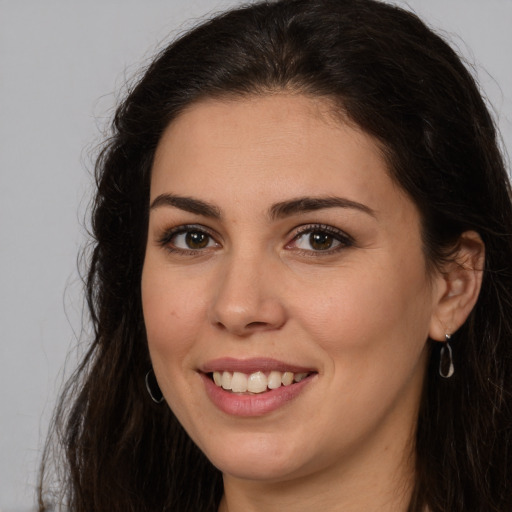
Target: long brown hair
[(401, 83)]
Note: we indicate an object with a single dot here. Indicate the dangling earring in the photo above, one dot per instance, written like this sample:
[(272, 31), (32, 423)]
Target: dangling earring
[(153, 389), (446, 353)]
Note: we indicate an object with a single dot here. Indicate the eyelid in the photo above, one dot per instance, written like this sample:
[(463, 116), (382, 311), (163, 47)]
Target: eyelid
[(341, 236), (164, 239), (307, 228), (345, 240)]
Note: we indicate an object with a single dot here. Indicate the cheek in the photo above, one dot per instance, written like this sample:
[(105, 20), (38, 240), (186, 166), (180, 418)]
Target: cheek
[(172, 314), (367, 310), (172, 311), (372, 328)]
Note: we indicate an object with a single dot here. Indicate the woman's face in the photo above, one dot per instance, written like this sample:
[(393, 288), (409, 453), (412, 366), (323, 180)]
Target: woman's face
[(280, 250)]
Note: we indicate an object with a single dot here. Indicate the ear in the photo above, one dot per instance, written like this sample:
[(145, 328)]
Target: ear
[(458, 286)]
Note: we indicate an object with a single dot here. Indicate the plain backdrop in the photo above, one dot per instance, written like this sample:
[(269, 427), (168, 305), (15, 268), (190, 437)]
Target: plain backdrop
[(61, 63)]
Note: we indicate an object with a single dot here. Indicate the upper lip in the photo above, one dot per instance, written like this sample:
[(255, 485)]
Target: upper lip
[(252, 365)]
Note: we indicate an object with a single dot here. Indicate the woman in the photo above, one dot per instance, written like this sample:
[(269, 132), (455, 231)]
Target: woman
[(302, 231)]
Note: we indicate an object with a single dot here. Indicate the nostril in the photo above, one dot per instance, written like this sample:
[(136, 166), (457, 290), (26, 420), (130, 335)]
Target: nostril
[(256, 325)]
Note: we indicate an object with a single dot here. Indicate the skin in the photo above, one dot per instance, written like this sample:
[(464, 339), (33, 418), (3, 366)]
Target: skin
[(359, 313)]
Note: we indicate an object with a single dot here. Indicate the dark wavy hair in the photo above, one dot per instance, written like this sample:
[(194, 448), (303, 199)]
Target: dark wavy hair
[(392, 76)]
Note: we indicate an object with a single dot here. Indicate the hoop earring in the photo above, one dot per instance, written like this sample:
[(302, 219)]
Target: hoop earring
[(153, 389), (446, 353)]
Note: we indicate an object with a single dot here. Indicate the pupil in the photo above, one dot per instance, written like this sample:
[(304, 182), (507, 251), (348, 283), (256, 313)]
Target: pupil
[(320, 241), (196, 239)]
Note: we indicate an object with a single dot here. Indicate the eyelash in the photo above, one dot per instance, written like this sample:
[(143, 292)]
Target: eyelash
[(344, 240), (166, 239)]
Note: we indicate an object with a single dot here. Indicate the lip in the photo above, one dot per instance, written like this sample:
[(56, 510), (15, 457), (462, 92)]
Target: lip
[(252, 405), (255, 364)]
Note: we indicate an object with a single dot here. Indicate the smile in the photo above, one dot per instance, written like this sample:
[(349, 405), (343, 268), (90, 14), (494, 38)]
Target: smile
[(256, 382), (256, 386)]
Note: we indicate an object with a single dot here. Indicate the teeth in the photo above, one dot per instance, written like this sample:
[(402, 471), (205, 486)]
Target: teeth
[(217, 378), (287, 378), (239, 382), (274, 380), (226, 379), (257, 382)]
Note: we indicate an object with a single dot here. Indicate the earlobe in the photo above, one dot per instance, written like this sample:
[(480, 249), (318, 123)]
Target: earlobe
[(460, 281)]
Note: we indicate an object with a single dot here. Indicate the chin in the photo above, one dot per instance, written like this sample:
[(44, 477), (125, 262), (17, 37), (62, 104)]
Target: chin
[(258, 458)]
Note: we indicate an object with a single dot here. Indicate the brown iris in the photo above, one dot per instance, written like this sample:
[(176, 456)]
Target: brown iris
[(196, 239), (320, 241)]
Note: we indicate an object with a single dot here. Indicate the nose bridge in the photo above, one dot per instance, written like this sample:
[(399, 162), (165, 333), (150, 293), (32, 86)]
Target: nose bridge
[(246, 296)]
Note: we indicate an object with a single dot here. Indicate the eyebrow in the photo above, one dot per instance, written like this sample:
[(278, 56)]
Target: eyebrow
[(309, 204), (187, 204), (277, 211)]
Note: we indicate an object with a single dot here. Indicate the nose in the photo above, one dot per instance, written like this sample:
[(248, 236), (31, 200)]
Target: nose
[(248, 297)]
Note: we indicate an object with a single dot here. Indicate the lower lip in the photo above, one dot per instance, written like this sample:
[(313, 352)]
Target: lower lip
[(237, 404)]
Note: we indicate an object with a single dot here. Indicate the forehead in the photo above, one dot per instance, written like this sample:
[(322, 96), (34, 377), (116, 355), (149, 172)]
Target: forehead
[(262, 140), (255, 120)]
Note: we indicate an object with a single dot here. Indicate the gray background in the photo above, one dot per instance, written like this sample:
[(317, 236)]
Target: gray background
[(61, 62)]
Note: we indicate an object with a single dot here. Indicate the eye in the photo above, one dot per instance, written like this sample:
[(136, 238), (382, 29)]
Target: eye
[(192, 240), (320, 238), (187, 239), (316, 240)]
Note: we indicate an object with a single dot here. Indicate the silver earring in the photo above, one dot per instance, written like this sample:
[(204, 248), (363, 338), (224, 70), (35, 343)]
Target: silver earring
[(153, 389), (446, 353)]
